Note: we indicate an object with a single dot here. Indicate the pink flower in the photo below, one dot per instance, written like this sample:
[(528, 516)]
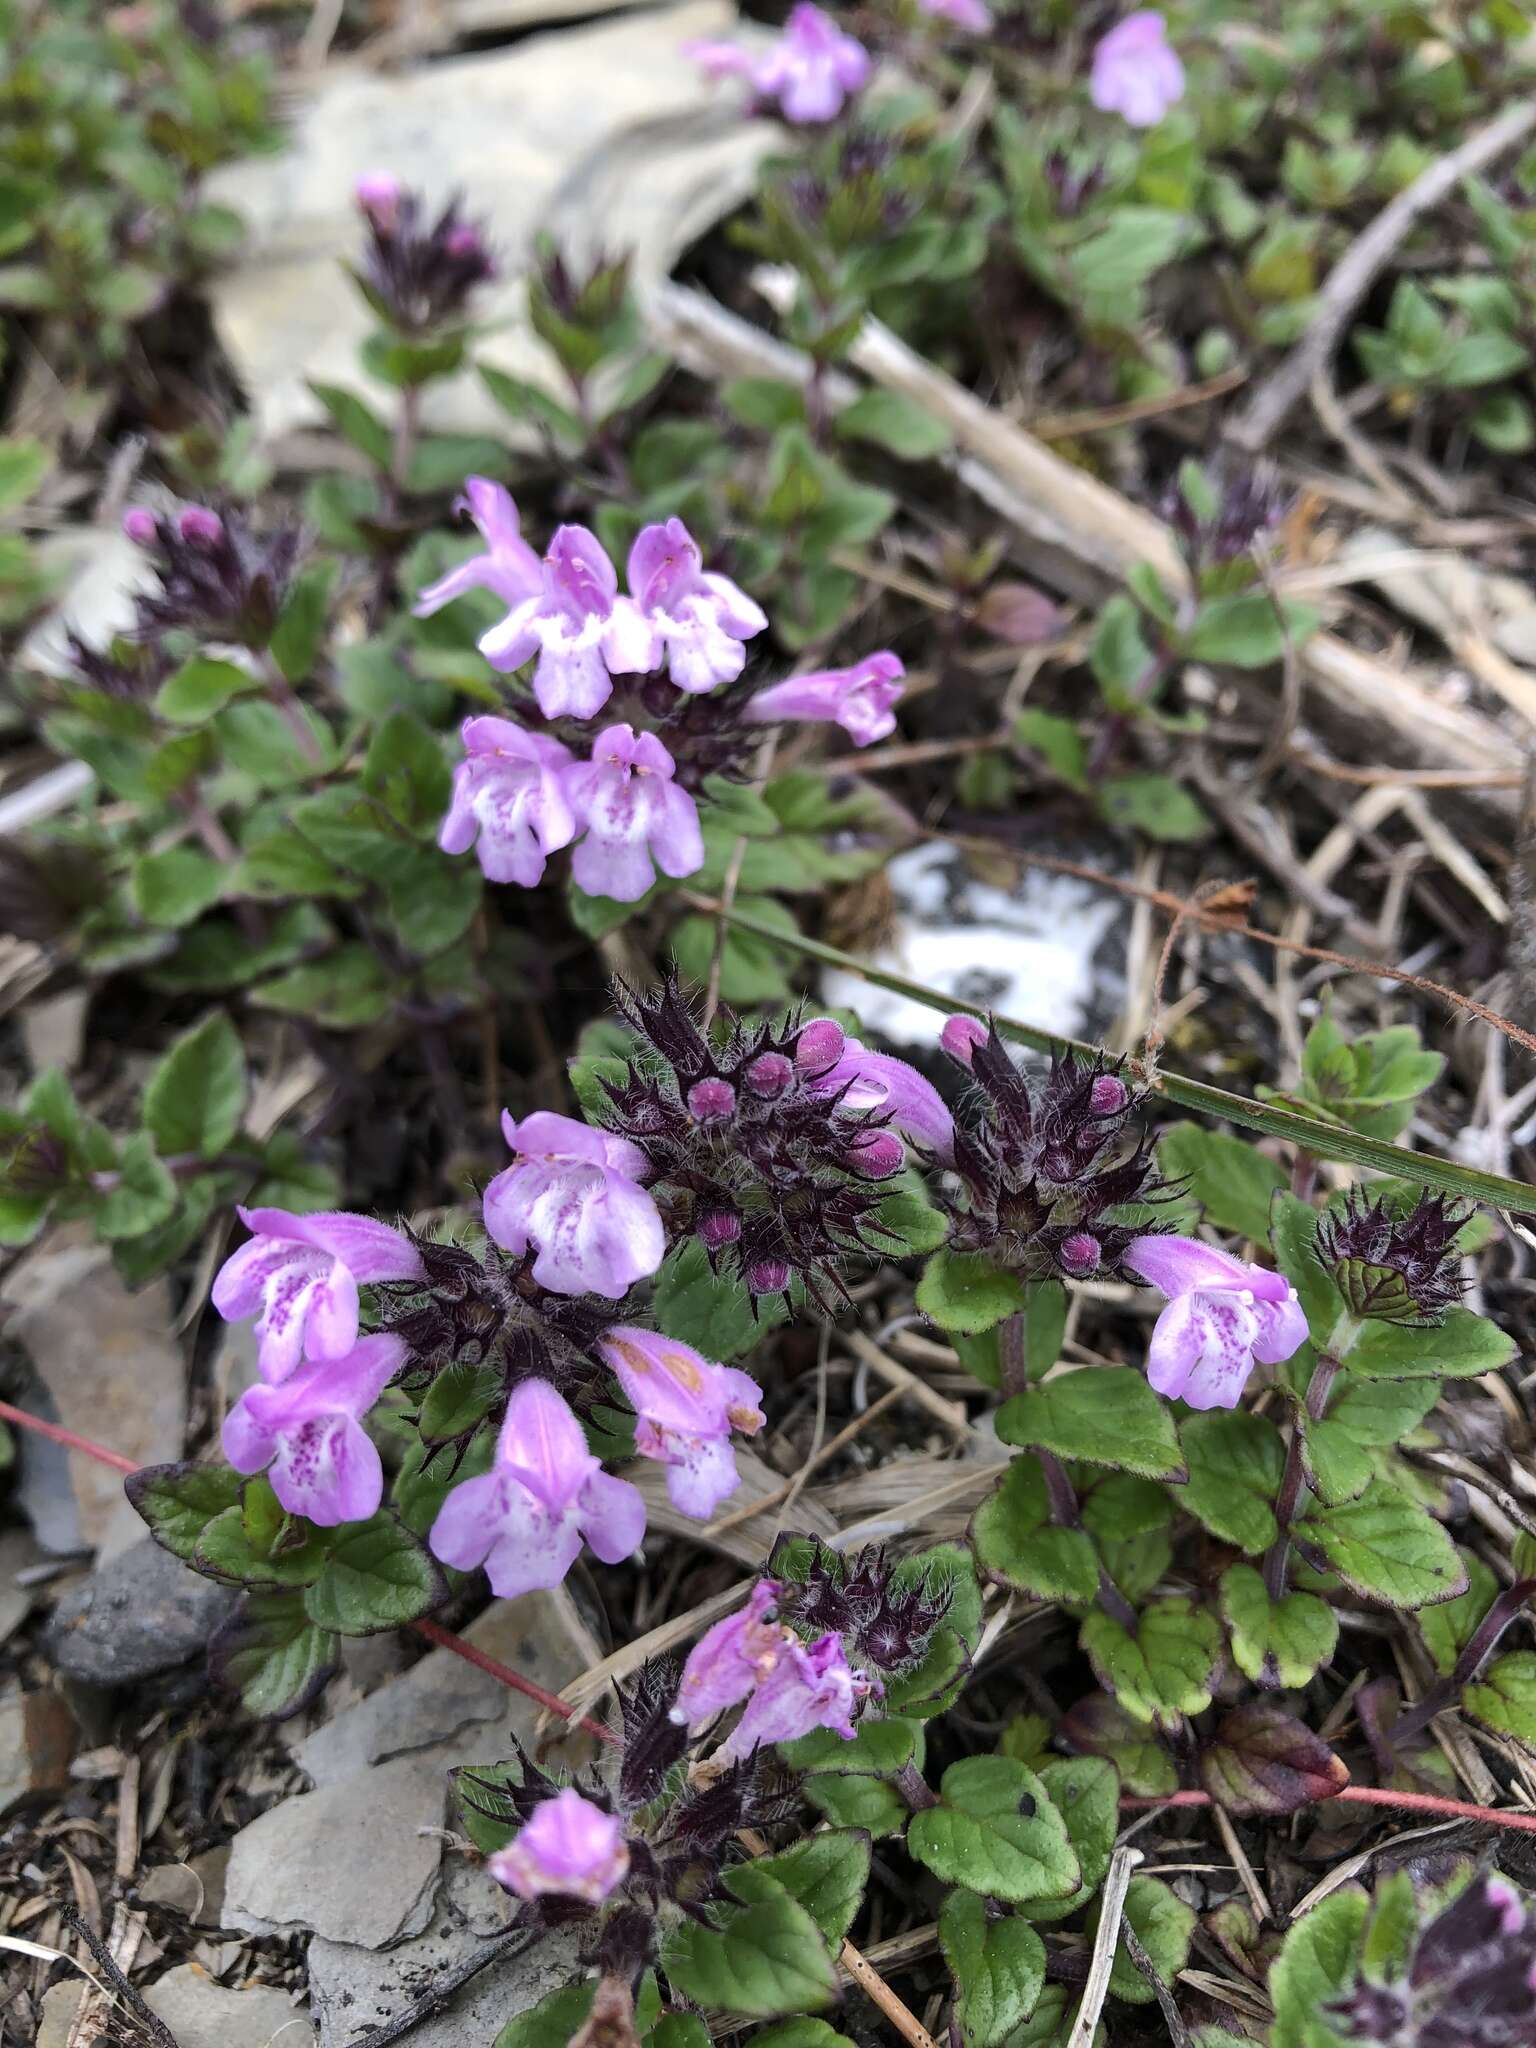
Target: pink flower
[(961, 1036), (963, 13), (634, 814), (575, 1193), (569, 1847), (509, 794), (141, 526), (574, 620), (865, 1080), (810, 70), (378, 193), (732, 1657), (1221, 1316), (524, 1520), (806, 1689), (1135, 72), (687, 1409), (302, 1274), (859, 699), (509, 567), (309, 1430), (700, 618)]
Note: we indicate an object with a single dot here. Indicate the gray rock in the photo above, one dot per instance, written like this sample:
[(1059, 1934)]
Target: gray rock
[(144, 1612), (195, 1888), (354, 1989), (202, 2014), (355, 1861)]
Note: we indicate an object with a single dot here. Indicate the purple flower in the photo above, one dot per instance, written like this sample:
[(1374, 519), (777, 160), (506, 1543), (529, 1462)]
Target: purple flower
[(569, 1847), (732, 1657), (865, 1080), (810, 70), (325, 1465), (961, 1036), (509, 567), (859, 699), (378, 193), (1221, 1316), (634, 814), (509, 795), (806, 1689), (575, 1193), (963, 13), (141, 526), (700, 618), (1135, 72), (687, 1409), (302, 1273), (583, 632), (524, 1520)]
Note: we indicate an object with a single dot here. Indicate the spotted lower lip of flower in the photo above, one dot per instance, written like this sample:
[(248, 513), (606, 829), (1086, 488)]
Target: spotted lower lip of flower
[(688, 1408), (574, 1193), (308, 1434), (525, 1519), (732, 1657), (808, 1688), (299, 1276), (583, 632), (1223, 1315), (509, 801), (635, 817), (569, 1848), (859, 699), (700, 618)]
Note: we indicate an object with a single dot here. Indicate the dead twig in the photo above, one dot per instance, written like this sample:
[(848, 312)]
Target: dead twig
[(1111, 1913), (109, 1967)]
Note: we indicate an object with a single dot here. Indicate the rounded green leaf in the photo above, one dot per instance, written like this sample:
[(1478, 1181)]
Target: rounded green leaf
[(996, 1831)]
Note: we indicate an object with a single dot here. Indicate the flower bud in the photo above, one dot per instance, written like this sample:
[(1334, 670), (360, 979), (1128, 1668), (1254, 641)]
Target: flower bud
[(717, 1228), (200, 527), (961, 1036), (767, 1276), (1079, 1254), (141, 526), (1109, 1095), (877, 1154), (769, 1075), (378, 194), (709, 1101), (1392, 1266), (820, 1045), (464, 241), (570, 1848)]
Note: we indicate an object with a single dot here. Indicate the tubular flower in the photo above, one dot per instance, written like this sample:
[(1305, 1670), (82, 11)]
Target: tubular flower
[(509, 567), (582, 631), (810, 71), (525, 1519), (634, 815), (699, 618), (299, 1275), (732, 1657), (1222, 1316), (687, 1409), (324, 1465), (509, 801), (569, 1847), (865, 1080), (859, 699), (575, 1194), (808, 1687), (1135, 72)]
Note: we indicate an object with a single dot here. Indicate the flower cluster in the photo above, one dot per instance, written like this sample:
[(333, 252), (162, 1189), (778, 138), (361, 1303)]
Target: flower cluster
[(790, 1687), (1391, 1266), (809, 72), (417, 272), (767, 1141), (519, 795), (217, 575), (1471, 1982), (888, 1619)]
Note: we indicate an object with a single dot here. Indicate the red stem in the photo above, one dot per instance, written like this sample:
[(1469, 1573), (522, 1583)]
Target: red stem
[(1357, 1795)]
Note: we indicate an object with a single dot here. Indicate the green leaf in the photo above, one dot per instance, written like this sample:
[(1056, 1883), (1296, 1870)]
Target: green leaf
[(767, 1957), (687, 2030), (1316, 1964), (1018, 1545), (878, 1749), (963, 1291), (908, 1219), (867, 1803), (1276, 1643), (1164, 1925), (996, 1831), (226, 1550), (1336, 1467), (1156, 805), (195, 1098), (801, 2033), (357, 423), (998, 1967), (1448, 1627), (378, 1576), (1293, 1236), (1385, 1547), (1104, 1415), (1504, 1698), (751, 971), (1098, 1727), (1261, 1760), (458, 1398), (826, 1873), (897, 423), (177, 1502), (1462, 1347), (1085, 1791), (1483, 359), (175, 887), (522, 400), (348, 988), (200, 687), (1235, 1462), (1248, 630), (1231, 1180), (764, 402), (710, 1311), (144, 1197), (1505, 423), (406, 771), (299, 634), (553, 2021), (139, 1258), (272, 1655), (23, 465), (1057, 740), (1166, 1670), (1120, 657)]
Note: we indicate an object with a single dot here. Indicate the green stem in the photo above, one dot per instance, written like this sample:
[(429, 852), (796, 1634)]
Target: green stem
[(1277, 1564), (1066, 1514)]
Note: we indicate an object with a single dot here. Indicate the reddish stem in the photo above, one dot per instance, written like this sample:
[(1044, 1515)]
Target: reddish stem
[(447, 1640), (1376, 1795), (66, 1437)]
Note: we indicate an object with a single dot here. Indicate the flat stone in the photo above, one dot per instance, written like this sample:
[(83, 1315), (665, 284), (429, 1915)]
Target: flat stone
[(203, 2014), (356, 1860), (143, 1613), (354, 1989), (606, 132), (18, 1550), (111, 1369), (37, 1738), (195, 1888)]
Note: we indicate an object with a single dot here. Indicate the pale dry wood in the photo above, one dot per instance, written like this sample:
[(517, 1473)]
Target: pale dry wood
[(1112, 1905), (1248, 1877), (949, 1413)]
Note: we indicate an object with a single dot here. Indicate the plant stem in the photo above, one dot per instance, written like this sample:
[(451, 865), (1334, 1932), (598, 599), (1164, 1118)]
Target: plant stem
[(1476, 1651), (1293, 1480), (1066, 1515), (1013, 1355), (914, 1788), (286, 698)]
